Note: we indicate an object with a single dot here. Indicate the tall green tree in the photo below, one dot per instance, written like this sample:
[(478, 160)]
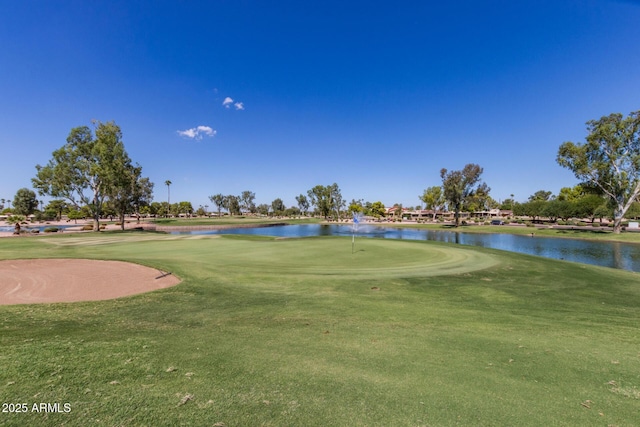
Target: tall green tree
[(541, 195), (458, 186), (82, 171), (131, 192), (533, 209), (233, 204), (75, 214), (57, 207), (263, 209), (507, 204), (355, 207), (482, 199), (587, 206), (168, 184), (158, 208), (320, 197), (433, 199), (247, 201), (278, 207), (337, 202), (218, 200), (556, 208), (609, 160), (184, 207), (327, 200), (376, 210), (571, 194), (25, 202), (303, 203)]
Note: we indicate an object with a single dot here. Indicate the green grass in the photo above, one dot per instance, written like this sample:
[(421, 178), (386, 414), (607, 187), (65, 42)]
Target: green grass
[(576, 232), (301, 332)]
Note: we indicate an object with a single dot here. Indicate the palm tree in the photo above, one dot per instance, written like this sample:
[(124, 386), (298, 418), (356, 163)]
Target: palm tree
[(168, 184)]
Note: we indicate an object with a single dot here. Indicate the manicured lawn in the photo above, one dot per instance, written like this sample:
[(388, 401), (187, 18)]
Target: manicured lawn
[(301, 332), (575, 232)]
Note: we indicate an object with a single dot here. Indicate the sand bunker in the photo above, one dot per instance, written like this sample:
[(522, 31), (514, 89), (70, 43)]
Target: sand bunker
[(69, 280)]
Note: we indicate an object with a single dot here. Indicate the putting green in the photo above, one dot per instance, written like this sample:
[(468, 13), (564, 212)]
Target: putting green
[(332, 256), (323, 256)]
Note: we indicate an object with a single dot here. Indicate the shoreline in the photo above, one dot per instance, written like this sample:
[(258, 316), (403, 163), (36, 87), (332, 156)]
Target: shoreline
[(129, 225), (155, 227), (71, 227), (540, 230)]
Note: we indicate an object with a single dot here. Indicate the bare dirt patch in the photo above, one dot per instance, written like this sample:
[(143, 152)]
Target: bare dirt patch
[(29, 281)]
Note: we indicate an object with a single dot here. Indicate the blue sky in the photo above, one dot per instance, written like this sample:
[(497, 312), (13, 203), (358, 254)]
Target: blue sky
[(277, 97)]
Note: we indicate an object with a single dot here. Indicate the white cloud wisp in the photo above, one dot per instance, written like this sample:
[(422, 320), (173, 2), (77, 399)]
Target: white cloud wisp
[(198, 133), (228, 102)]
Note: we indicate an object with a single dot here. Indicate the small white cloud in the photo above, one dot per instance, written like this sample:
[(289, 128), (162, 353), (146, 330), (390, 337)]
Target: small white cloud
[(198, 133), (189, 133), (206, 130), (228, 101)]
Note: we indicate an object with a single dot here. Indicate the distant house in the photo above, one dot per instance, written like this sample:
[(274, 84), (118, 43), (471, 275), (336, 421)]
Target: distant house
[(391, 212), (491, 213), (427, 214), (414, 214)]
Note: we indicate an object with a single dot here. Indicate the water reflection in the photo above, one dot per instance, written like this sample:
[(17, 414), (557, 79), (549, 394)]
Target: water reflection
[(624, 256)]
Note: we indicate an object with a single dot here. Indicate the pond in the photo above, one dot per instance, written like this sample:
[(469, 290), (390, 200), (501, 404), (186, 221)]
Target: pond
[(624, 256)]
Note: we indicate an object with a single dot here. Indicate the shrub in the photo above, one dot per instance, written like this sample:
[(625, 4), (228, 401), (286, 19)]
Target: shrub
[(87, 227), (51, 230)]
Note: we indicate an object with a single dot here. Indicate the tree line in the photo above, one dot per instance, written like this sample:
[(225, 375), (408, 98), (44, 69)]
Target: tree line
[(92, 174), (607, 165)]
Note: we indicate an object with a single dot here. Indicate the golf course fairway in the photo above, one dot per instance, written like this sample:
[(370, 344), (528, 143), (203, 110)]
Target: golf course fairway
[(314, 332)]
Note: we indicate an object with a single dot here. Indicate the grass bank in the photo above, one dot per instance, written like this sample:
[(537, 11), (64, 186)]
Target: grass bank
[(575, 232), (276, 332)]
